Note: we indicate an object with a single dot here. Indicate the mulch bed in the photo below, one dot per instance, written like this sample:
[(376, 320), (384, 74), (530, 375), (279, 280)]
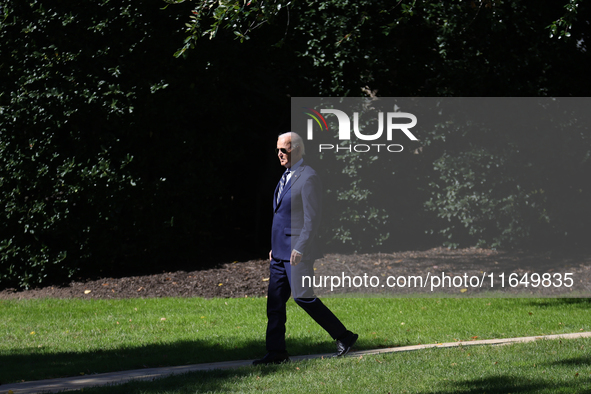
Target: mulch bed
[(250, 278)]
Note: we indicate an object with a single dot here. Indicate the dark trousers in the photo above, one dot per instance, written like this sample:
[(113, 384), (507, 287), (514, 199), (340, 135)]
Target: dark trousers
[(278, 294)]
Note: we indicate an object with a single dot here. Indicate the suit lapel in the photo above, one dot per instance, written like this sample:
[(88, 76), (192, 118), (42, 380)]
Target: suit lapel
[(293, 179), (296, 175)]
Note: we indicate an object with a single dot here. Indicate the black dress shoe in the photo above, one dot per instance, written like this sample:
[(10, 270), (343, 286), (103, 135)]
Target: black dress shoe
[(272, 358), (345, 344)]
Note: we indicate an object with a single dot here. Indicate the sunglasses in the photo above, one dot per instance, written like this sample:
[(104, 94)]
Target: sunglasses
[(282, 150)]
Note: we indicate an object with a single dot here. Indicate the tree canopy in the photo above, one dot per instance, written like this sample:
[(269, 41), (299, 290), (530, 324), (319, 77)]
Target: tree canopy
[(416, 48), (117, 156)]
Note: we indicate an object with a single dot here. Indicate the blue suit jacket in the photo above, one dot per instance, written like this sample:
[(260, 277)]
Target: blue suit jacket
[(297, 215)]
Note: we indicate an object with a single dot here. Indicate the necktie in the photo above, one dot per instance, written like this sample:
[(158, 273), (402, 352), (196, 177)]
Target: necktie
[(282, 184)]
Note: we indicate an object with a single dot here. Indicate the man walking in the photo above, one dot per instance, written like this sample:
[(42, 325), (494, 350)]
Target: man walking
[(297, 210)]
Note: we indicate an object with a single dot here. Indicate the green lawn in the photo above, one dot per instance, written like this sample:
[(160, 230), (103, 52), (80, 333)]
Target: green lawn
[(54, 338), (557, 366)]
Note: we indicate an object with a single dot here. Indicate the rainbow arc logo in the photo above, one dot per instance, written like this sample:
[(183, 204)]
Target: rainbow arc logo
[(317, 117)]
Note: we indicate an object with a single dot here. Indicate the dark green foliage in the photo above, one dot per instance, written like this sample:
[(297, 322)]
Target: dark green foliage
[(72, 77), (494, 188), (501, 187), (418, 48), (513, 173), (116, 156), (62, 175)]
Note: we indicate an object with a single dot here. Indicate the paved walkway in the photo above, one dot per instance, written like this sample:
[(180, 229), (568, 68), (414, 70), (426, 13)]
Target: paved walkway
[(77, 383)]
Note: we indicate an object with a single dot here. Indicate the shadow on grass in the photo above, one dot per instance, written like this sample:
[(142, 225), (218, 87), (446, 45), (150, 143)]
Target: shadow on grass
[(233, 380), (37, 363), (579, 362), (512, 384), (218, 381), (553, 302)]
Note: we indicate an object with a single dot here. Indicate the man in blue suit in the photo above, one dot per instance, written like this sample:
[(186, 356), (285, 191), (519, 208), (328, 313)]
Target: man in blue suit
[(297, 209)]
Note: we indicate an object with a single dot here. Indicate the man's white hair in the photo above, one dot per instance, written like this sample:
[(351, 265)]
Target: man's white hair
[(296, 140)]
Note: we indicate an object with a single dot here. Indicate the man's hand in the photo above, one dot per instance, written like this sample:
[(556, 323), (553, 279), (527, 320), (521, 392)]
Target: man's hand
[(270, 254), (295, 257)]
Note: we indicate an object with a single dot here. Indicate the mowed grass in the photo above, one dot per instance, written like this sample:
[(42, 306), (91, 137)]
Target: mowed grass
[(52, 338), (557, 366)]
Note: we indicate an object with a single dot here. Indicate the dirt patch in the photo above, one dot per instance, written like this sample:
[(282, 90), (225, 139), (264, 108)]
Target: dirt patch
[(250, 278)]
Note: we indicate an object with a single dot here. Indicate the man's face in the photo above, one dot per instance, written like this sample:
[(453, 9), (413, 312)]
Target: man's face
[(285, 144)]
